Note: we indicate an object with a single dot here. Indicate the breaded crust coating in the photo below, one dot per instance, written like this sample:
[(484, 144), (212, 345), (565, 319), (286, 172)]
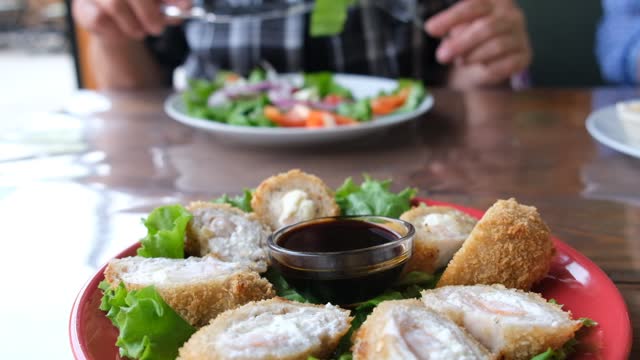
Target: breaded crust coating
[(511, 323), (269, 330), (406, 329), (200, 299), (228, 234), (440, 232), (268, 199), (510, 245)]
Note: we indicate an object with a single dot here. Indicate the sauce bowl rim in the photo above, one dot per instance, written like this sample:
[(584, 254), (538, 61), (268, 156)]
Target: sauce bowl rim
[(273, 246)]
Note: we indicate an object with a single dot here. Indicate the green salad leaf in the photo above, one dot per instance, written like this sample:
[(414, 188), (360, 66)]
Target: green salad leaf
[(112, 299), (284, 290), (359, 109), (197, 94), (417, 93), (199, 90), (166, 227), (324, 84), (373, 197), (149, 328), (559, 354), (257, 75), (586, 322), (328, 17), (242, 202)]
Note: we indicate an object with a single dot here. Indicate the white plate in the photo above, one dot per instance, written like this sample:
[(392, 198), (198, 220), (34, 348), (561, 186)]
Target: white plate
[(361, 86), (606, 127)]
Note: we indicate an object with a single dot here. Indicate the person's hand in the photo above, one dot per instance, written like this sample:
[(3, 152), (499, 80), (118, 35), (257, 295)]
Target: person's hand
[(485, 38), (123, 19)]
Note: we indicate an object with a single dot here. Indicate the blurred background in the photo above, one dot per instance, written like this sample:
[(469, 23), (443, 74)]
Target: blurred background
[(36, 61), (41, 57)]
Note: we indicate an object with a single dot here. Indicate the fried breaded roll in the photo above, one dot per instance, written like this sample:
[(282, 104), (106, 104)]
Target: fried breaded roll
[(510, 245), (407, 330), (196, 288), (509, 322), (227, 233), (270, 329), (292, 197), (440, 232)]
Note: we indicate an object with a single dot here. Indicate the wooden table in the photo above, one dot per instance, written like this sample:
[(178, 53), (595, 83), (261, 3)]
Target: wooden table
[(77, 195)]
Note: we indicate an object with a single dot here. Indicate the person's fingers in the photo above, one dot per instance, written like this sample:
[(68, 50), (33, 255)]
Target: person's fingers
[(463, 12), (182, 4), (94, 19), (494, 49), (123, 16), (504, 67), (479, 32), (149, 14)]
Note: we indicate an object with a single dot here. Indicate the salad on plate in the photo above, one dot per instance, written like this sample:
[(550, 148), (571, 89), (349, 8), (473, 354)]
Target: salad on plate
[(265, 98)]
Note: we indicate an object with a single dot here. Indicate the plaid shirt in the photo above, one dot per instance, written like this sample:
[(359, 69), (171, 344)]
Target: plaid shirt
[(618, 37), (373, 42)]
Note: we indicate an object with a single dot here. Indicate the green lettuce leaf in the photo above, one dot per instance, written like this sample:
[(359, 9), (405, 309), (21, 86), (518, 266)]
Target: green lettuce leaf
[(569, 347), (328, 17), (149, 328), (416, 95), (197, 93), (373, 197), (284, 290), (359, 110), (559, 354), (112, 299), (242, 202), (324, 84), (586, 322), (345, 356), (166, 226), (257, 75)]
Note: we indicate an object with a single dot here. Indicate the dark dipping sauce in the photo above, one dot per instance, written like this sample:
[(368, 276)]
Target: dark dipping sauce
[(347, 276)]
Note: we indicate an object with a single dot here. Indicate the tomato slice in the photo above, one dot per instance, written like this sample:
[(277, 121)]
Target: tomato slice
[(332, 99), (288, 119), (315, 119), (386, 104), (345, 120)]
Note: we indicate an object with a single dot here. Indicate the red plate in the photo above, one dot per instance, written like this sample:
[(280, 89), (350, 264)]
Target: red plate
[(573, 280)]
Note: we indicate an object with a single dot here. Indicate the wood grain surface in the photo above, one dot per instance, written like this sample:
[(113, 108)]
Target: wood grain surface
[(471, 149)]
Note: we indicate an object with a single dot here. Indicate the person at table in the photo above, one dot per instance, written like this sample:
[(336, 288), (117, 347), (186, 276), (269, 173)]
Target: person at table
[(618, 41), (464, 44)]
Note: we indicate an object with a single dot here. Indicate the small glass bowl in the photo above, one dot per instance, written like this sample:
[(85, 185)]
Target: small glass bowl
[(344, 277)]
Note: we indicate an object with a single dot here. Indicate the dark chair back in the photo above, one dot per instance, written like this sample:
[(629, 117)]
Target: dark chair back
[(563, 39)]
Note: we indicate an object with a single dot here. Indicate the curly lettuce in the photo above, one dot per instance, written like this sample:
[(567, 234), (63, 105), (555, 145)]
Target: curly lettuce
[(242, 201), (373, 197), (149, 328), (166, 227)]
